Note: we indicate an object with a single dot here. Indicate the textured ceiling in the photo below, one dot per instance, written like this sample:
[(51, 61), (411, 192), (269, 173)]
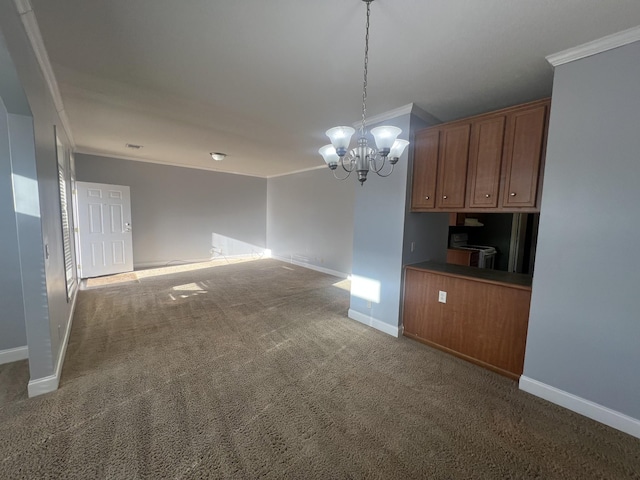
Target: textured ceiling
[(262, 80)]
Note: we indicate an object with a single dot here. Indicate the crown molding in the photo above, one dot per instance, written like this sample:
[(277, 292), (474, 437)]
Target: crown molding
[(597, 46), (409, 109), (388, 115), (319, 167), (97, 153), (30, 23)]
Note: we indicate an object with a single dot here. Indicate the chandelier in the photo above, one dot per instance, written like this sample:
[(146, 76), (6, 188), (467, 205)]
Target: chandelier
[(363, 158)]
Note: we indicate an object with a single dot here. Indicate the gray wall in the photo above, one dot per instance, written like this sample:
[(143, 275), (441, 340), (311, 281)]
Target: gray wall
[(12, 325), (33, 153), (584, 327), (310, 219), (175, 211), (382, 238)]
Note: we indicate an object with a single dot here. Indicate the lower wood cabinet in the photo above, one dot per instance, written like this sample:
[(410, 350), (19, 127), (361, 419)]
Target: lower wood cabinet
[(482, 321)]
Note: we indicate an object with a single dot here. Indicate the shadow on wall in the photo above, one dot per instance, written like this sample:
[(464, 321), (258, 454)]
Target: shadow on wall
[(223, 247)]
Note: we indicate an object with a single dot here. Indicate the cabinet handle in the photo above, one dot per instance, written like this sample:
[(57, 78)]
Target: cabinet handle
[(444, 196), (427, 197), (513, 194), (487, 196)]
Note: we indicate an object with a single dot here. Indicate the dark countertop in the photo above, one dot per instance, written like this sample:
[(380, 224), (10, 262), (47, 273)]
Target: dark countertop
[(517, 280)]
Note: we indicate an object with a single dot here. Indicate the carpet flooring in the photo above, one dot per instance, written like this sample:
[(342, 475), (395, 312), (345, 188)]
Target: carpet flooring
[(252, 370)]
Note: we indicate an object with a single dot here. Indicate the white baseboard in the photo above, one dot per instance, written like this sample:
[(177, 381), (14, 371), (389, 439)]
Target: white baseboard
[(170, 263), (375, 323), (582, 406), (310, 266), (14, 354), (43, 385), (177, 263)]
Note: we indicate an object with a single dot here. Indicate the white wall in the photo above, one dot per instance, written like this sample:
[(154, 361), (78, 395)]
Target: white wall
[(310, 220), (179, 213), (584, 326)]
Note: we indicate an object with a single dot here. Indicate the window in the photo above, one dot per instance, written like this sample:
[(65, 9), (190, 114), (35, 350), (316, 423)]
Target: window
[(65, 217)]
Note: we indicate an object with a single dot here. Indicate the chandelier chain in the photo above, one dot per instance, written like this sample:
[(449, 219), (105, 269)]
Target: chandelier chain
[(366, 69)]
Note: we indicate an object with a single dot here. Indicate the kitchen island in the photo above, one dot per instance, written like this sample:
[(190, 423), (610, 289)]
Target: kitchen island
[(477, 314)]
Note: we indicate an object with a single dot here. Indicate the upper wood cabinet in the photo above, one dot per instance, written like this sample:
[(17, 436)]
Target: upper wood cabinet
[(425, 167), (485, 160), (440, 167), (452, 165), (523, 149), (492, 162)]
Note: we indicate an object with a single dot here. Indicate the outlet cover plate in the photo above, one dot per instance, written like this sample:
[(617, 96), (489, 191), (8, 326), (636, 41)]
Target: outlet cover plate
[(442, 296)]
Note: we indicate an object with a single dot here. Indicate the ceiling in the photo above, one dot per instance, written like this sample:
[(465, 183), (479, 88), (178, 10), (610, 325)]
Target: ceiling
[(262, 80)]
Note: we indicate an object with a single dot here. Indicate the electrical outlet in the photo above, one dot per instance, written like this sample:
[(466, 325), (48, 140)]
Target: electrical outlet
[(442, 296), (413, 246)]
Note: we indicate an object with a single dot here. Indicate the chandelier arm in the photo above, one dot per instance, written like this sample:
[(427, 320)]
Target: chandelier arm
[(374, 164), (342, 178), (386, 175), (349, 170)]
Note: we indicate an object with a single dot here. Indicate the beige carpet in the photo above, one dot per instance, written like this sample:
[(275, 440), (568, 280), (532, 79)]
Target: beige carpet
[(252, 370), (166, 270)]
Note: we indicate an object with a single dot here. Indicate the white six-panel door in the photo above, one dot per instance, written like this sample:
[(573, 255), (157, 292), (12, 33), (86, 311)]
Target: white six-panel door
[(104, 222)]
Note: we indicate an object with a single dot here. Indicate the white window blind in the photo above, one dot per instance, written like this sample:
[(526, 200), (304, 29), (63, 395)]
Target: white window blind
[(66, 232)]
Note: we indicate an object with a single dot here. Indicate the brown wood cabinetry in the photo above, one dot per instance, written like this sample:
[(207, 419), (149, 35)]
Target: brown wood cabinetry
[(492, 162), (440, 167), (452, 165), (485, 160), (523, 150), (425, 167), (483, 321)]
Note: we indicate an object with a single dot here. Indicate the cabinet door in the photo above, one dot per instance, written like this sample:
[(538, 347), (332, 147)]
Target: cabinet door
[(452, 165), (524, 143), (485, 160), (425, 169)]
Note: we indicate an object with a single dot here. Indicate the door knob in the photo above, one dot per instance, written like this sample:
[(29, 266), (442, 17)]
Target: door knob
[(127, 227)]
